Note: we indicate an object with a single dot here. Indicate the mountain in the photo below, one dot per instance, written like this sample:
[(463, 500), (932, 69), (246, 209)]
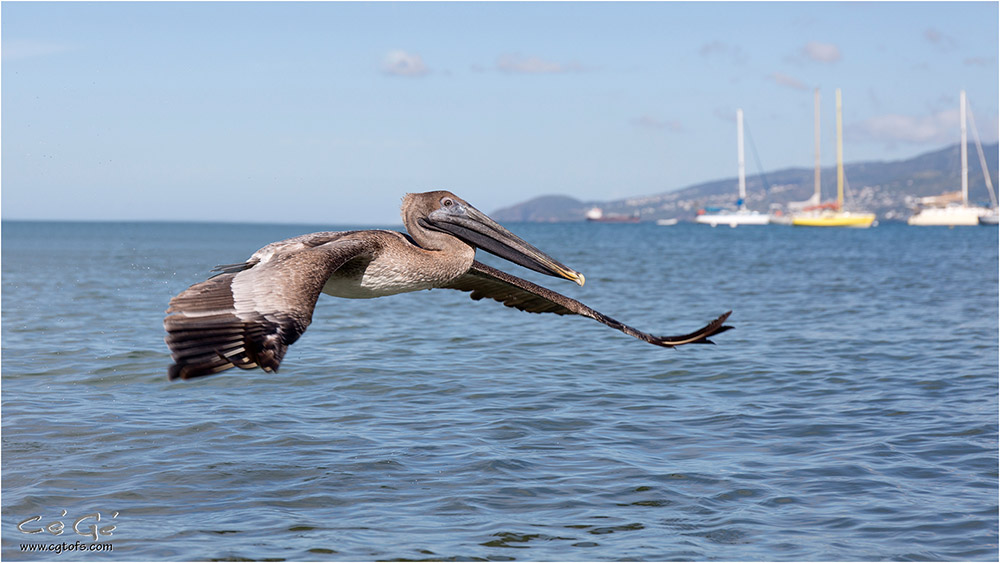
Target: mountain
[(889, 189), (545, 209)]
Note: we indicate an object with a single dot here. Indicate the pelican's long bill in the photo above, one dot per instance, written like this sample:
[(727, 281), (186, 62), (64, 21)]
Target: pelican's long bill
[(476, 228)]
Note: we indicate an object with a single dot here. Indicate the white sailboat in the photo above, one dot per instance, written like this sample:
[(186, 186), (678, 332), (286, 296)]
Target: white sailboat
[(742, 215), (947, 210)]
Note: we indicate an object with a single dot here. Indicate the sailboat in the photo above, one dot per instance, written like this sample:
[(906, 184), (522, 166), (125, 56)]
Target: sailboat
[(833, 214), (992, 215), (948, 210), (742, 215), (780, 217)]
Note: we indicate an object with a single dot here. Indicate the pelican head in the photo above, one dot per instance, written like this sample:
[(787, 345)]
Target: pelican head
[(430, 216)]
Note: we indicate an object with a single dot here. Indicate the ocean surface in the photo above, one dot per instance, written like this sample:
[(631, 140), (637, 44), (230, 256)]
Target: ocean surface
[(850, 415)]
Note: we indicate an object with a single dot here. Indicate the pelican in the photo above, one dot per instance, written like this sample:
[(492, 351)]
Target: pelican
[(248, 314)]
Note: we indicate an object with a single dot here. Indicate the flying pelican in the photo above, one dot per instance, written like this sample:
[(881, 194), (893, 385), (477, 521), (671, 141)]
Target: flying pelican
[(248, 314)]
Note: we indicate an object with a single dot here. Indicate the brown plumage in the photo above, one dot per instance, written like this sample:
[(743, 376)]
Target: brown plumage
[(248, 314)]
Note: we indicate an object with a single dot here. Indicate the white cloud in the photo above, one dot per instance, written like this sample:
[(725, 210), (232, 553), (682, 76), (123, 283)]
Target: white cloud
[(401, 63), (941, 127), (985, 62), (17, 49), (650, 122), (532, 65), (939, 40), (721, 49), (821, 52), (785, 80)]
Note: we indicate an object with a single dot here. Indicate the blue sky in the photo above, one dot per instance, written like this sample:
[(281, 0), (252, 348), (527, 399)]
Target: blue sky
[(329, 112)]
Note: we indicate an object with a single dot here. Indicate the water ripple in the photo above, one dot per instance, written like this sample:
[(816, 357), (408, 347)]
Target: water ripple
[(851, 415)]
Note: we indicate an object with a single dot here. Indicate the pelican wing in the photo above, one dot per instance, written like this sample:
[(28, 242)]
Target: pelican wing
[(486, 282), (249, 314)]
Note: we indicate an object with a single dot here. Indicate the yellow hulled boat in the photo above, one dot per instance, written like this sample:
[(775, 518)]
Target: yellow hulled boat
[(834, 219), (833, 214)]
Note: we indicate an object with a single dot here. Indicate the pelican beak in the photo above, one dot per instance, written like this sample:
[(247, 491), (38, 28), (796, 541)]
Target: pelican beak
[(476, 228)]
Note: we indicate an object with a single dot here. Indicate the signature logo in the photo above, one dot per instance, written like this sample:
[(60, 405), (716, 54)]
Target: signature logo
[(86, 525)]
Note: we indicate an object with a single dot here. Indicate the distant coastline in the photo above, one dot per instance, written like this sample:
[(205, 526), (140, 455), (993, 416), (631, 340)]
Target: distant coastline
[(889, 188)]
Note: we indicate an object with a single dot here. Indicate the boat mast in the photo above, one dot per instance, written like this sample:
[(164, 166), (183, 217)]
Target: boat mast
[(740, 160), (816, 129), (840, 154), (965, 150), (979, 149)]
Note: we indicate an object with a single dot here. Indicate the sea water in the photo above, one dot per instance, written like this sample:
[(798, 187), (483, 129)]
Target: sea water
[(850, 415)]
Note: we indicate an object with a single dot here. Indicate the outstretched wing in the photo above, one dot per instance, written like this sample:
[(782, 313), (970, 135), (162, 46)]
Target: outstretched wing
[(487, 282), (248, 315)]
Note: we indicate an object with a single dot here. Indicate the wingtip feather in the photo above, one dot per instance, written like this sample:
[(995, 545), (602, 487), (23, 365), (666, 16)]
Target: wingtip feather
[(700, 336)]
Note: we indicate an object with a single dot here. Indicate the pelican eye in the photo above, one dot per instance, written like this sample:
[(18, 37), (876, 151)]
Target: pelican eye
[(447, 202)]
